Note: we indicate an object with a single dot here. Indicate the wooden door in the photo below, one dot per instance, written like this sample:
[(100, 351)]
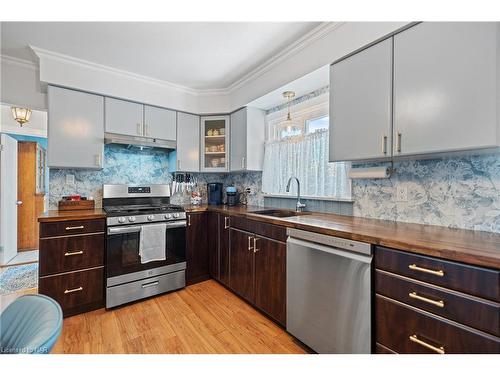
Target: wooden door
[(242, 264), (160, 123), (188, 142), (270, 277), (213, 244), (224, 248), (123, 117), (361, 105), (196, 248)]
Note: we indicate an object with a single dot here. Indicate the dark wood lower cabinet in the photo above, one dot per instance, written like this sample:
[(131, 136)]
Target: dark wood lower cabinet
[(405, 329), (270, 277), (213, 245), (242, 264), (224, 225), (197, 248)]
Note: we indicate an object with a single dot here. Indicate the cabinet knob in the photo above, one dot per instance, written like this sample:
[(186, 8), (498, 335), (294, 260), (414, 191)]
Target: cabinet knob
[(18, 203)]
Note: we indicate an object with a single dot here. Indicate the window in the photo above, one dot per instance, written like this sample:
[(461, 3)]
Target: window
[(300, 149)]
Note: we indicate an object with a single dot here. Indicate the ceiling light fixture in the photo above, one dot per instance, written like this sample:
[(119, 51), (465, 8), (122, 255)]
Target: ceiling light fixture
[(21, 115), (288, 95)]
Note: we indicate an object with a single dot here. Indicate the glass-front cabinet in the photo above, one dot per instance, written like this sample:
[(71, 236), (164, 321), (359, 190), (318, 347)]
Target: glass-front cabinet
[(214, 143)]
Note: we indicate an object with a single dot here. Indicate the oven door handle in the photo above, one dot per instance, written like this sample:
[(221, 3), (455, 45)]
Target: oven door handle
[(177, 224), (121, 230)]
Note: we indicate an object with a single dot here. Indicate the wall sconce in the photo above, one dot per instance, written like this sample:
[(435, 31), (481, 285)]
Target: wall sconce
[(21, 115)]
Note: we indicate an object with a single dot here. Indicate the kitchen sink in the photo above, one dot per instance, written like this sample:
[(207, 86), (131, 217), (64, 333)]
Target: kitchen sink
[(279, 213)]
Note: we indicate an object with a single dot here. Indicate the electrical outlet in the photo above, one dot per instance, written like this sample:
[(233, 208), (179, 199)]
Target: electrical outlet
[(401, 193), (70, 179)]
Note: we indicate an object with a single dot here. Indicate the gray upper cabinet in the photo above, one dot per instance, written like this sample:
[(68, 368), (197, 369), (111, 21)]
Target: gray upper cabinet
[(123, 117), (188, 142), (160, 123), (361, 105), (75, 129), (247, 140), (445, 87)]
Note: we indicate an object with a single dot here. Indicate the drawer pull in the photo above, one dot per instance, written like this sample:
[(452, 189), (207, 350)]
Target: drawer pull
[(249, 243), (416, 340), (70, 253), (154, 283), (255, 239), (414, 295), (226, 222), (414, 267), (79, 289), (74, 228)]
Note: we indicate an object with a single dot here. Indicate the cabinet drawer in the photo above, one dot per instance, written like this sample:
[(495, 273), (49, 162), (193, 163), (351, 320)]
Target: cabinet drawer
[(406, 330), (63, 254), (478, 313), (276, 232), (76, 292), (473, 280), (65, 228)]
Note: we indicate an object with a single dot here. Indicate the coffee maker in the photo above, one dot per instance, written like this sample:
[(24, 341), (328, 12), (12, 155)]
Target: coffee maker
[(232, 196), (214, 193)]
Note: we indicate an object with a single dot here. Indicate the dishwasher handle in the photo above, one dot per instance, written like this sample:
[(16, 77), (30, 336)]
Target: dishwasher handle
[(331, 250)]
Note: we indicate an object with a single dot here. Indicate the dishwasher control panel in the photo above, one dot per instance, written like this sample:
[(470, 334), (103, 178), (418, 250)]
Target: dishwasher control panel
[(338, 242)]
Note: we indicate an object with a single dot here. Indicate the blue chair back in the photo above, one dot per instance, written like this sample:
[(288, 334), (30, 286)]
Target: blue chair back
[(30, 325)]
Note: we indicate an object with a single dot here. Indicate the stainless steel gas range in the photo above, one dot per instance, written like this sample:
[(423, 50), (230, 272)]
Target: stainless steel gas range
[(145, 242)]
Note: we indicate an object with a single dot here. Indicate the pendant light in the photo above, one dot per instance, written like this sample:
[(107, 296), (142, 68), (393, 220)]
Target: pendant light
[(288, 123)]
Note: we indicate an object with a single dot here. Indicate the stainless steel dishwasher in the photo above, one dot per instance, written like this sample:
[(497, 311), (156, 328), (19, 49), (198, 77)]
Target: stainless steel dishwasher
[(329, 292)]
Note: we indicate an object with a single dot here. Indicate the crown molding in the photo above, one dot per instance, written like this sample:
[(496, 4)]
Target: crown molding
[(15, 61), (307, 39)]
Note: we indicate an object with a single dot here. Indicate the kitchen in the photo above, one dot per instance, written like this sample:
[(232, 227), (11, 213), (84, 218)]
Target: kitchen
[(348, 206)]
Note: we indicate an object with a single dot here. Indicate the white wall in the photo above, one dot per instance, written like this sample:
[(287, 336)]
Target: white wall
[(20, 84), (23, 87)]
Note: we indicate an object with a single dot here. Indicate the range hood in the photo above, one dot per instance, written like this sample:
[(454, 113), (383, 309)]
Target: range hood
[(141, 142)]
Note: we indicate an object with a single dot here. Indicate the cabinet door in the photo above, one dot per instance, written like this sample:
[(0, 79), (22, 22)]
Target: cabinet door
[(75, 129), (242, 264), (361, 105), (213, 245), (160, 123), (123, 117), (445, 87), (188, 142), (196, 248), (238, 144), (215, 143), (224, 254), (270, 277)]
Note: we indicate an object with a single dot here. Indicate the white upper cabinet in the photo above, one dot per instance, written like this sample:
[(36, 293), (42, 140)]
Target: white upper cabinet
[(160, 123), (123, 117), (247, 140), (188, 142), (75, 129), (361, 105), (445, 87), (214, 143)]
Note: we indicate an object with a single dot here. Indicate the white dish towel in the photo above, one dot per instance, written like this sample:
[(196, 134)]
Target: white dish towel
[(152, 243)]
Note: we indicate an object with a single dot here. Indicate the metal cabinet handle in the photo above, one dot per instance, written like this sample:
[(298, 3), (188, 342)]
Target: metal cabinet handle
[(415, 339), (74, 228), (226, 222), (189, 220), (384, 144), (414, 267), (178, 165), (146, 129), (398, 142), (139, 129), (70, 253), (243, 162), (255, 239), (79, 289), (97, 160), (148, 285), (414, 295), (249, 243)]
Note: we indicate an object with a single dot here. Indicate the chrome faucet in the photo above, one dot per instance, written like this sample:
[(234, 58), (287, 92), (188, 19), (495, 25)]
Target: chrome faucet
[(299, 206)]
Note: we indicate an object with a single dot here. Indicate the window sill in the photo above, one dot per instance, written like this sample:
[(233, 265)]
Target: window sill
[(308, 197)]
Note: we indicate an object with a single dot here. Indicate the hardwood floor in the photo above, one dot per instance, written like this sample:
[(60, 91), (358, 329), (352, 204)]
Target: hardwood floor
[(202, 318)]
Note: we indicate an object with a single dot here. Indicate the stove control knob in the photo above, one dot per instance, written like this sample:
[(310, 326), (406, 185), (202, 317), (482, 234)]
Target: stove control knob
[(121, 220), (131, 219), (151, 217), (176, 215), (168, 216)]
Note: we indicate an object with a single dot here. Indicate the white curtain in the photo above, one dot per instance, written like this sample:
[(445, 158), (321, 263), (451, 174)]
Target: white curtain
[(305, 157)]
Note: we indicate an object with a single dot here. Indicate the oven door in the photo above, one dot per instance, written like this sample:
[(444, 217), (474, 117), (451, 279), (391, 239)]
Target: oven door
[(122, 253)]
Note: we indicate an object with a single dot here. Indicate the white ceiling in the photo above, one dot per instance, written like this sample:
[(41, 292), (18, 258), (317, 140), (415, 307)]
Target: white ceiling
[(197, 55)]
